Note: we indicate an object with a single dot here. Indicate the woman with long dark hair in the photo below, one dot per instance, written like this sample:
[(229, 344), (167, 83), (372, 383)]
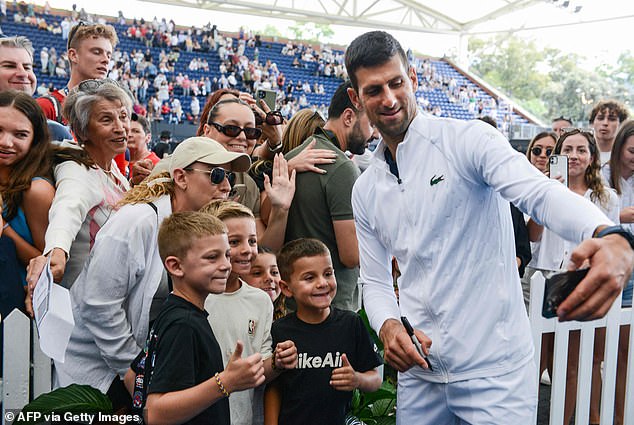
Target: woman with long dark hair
[(25, 174)]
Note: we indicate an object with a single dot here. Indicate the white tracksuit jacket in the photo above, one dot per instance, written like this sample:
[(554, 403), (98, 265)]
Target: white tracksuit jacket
[(448, 224)]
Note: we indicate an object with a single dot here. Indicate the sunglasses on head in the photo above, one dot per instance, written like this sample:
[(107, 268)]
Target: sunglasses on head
[(577, 130), (92, 85), (272, 118), (234, 130), (538, 151), (217, 175), (72, 33)]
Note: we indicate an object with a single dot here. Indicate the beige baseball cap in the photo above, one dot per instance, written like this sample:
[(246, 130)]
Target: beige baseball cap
[(201, 149)]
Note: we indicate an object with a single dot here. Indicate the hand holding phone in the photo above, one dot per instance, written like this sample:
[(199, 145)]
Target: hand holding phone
[(268, 96), (558, 167), (558, 287)]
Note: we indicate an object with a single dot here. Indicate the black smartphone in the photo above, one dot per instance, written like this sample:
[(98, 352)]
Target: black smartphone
[(558, 287)]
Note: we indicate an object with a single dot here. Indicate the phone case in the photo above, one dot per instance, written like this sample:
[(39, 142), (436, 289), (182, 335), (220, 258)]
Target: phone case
[(558, 165), (558, 287), (269, 97)]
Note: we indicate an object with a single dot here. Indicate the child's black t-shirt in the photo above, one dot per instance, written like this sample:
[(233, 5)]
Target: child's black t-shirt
[(186, 354), (307, 396)]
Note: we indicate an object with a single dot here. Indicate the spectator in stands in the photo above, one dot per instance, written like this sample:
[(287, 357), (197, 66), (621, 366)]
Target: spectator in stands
[(89, 51), (138, 138), (321, 208), (459, 176), (98, 112), (618, 173), (162, 147), (560, 123), (605, 118), (194, 107), (113, 307), (16, 65)]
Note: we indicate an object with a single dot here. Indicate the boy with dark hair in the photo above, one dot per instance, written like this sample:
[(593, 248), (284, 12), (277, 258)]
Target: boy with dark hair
[(606, 117), (179, 374), (336, 354)]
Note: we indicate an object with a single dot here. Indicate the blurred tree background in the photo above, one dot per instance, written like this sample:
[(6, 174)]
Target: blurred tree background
[(549, 82)]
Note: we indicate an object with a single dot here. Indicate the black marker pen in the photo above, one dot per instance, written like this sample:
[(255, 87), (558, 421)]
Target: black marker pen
[(410, 332)]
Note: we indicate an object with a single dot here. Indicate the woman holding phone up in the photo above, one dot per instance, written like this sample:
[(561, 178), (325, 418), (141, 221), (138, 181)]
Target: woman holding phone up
[(584, 178)]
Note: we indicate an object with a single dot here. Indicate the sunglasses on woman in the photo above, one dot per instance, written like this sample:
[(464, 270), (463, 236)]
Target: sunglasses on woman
[(234, 130), (217, 175), (538, 151), (272, 118)]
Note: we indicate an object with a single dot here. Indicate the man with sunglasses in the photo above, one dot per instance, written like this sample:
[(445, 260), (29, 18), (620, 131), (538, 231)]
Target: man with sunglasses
[(89, 50), (322, 206)]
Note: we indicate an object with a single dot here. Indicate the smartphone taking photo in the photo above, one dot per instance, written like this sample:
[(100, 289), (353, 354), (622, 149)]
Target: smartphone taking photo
[(558, 287), (268, 96), (558, 166)]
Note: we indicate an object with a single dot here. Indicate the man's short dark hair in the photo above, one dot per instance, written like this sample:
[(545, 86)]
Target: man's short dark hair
[(340, 101), (145, 124), (371, 49), (562, 118), (296, 250)]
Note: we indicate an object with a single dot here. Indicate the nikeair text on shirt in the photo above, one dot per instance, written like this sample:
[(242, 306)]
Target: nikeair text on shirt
[(313, 362)]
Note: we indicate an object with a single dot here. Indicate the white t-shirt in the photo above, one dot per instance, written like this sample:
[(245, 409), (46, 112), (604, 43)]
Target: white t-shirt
[(244, 315)]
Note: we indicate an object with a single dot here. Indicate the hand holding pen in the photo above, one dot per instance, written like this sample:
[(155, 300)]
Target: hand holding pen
[(419, 348), (399, 350)]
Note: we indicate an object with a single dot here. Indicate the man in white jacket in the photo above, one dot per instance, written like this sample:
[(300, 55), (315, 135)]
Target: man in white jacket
[(435, 196)]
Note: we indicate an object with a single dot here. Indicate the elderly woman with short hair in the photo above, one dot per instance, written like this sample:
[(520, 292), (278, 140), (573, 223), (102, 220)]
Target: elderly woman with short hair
[(98, 112)]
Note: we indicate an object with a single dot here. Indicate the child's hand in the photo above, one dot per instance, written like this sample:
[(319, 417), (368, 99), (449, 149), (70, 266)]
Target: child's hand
[(286, 355), (242, 374), (344, 378)]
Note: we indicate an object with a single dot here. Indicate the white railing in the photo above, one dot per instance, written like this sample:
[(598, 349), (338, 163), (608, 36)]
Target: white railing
[(612, 322), (26, 370)]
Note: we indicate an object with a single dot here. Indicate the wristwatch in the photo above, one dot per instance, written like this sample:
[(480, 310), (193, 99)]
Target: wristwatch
[(617, 230)]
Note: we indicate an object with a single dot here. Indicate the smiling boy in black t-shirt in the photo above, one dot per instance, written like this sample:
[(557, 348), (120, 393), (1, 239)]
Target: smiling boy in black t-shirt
[(335, 352), (179, 376)]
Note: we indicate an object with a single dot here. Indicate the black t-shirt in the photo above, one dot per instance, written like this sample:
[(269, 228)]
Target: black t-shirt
[(187, 354), (307, 396)]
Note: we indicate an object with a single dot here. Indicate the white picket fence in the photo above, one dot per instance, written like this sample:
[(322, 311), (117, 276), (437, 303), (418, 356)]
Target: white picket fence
[(612, 321), (27, 371)]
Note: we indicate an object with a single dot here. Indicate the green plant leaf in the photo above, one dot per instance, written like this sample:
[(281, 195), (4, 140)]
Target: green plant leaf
[(375, 337), (74, 398), (384, 407)]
